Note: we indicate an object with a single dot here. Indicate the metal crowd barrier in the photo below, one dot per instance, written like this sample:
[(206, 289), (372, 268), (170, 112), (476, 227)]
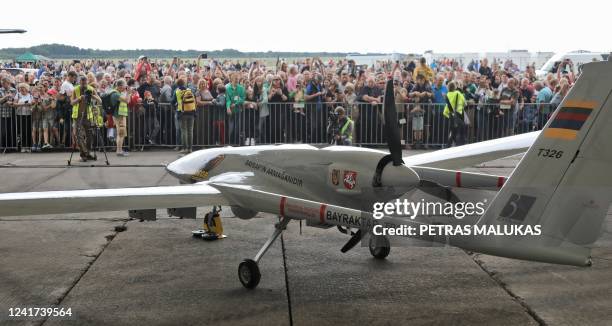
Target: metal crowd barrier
[(421, 125)]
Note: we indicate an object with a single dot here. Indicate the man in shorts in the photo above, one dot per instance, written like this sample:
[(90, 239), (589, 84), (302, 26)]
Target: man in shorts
[(49, 119)]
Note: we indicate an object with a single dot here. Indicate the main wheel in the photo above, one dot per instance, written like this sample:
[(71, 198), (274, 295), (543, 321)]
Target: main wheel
[(379, 246), (248, 273)]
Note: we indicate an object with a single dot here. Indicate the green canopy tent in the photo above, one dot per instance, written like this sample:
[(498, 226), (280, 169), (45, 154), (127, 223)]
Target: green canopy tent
[(42, 58), (27, 57)]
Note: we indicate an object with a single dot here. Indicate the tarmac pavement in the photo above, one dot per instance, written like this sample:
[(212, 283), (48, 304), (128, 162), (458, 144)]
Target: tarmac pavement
[(155, 273)]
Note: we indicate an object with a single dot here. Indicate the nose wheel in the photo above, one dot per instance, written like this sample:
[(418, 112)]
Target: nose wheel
[(379, 246), (249, 274), (248, 271)]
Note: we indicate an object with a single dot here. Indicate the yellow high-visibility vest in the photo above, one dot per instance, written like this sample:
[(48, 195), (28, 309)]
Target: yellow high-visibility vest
[(75, 108)]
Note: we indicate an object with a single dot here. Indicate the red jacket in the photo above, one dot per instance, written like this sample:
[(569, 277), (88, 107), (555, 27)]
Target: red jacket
[(140, 67)]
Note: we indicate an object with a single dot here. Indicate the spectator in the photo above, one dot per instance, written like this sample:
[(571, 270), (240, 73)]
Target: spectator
[(150, 113), (483, 115), (344, 136), (543, 100), (148, 84), (49, 118), (560, 93), (7, 130), (204, 100), (218, 115), (454, 112), (507, 104), (421, 95), (292, 78), (235, 95), (423, 69), (527, 111), (143, 68), (314, 108), (485, 70), (297, 120), (371, 97), (277, 97), (250, 116), (166, 90), (23, 110), (186, 105), (120, 100), (68, 84)]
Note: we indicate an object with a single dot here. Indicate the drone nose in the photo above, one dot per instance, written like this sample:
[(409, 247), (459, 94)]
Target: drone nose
[(181, 169)]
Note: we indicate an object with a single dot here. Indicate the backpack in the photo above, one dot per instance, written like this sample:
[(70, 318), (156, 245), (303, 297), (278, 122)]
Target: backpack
[(107, 104), (188, 100)]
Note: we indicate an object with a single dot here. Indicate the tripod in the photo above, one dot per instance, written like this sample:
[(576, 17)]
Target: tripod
[(99, 138)]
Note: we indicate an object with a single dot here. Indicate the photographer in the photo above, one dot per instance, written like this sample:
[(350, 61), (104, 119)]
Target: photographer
[(82, 116), (341, 127), (149, 105), (277, 97), (566, 69), (143, 68)]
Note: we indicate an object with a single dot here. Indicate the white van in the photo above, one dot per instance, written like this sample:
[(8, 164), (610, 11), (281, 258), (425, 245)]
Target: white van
[(577, 57)]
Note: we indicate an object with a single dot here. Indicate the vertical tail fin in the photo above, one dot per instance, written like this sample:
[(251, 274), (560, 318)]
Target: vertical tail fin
[(564, 181)]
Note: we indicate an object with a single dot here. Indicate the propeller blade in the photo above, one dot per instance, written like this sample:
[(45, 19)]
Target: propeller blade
[(354, 240), (345, 230), (12, 31), (391, 125), (437, 190)]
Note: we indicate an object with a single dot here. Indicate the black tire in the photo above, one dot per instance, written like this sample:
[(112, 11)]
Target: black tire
[(379, 246), (248, 274)]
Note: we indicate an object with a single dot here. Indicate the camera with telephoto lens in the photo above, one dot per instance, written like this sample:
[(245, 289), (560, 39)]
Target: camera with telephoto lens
[(88, 93), (332, 126)]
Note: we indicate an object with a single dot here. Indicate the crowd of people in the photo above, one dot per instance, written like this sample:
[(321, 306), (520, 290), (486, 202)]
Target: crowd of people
[(208, 102)]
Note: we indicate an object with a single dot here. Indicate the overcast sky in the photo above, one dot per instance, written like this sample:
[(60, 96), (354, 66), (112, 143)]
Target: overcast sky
[(313, 25)]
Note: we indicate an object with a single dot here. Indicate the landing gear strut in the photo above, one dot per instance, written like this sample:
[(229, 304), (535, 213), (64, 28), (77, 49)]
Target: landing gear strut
[(248, 271), (379, 246)]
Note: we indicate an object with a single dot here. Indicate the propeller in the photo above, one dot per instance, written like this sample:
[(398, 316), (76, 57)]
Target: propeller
[(353, 241), (399, 172), (12, 31), (392, 131)]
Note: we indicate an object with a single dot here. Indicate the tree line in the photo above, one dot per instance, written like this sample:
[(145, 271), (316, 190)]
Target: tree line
[(61, 51)]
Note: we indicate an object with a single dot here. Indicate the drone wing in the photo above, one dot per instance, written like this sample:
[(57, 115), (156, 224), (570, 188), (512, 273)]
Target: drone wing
[(98, 200)]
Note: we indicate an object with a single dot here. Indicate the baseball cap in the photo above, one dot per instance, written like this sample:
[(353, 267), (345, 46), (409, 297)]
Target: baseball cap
[(52, 91)]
